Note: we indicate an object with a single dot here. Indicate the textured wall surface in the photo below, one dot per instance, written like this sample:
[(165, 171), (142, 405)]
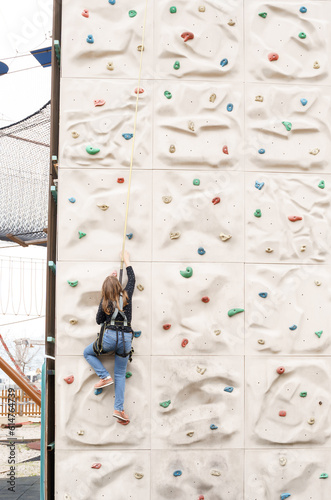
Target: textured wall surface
[(230, 146)]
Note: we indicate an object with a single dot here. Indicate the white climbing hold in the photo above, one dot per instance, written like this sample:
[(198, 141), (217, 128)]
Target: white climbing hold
[(311, 421), (282, 461), (261, 341), (269, 250), (140, 287), (201, 370), (80, 433), (103, 207), (217, 332), (225, 237), (167, 199), (172, 148), (316, 65), (73, 321), (215, 472), (175, 236), (140, 48), (318, 283), (75, 134), (202, 8), (303, 248), (314, 151), (190, 434), (212, 98), (138, 475), (110, 66), (191, 126), (231, 22), (259, 98)]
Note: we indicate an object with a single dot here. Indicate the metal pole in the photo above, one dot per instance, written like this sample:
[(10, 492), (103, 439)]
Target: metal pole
[(42, 437), (20, 381)]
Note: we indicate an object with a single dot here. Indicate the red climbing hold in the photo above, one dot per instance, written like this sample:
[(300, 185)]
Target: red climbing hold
[(141, 91), (96, 466), (294, 218), (273, 56), (120, 180), (69, 379), (205, 299), (280, 369), (166, 326), (225, 150), (187, 35), (184, 343), (201, 497), (85, 13), (282, 413), (216, 200), (99, 102)]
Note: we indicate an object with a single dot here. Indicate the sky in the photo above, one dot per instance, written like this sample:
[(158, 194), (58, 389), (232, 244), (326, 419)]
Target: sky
[(25, 25)]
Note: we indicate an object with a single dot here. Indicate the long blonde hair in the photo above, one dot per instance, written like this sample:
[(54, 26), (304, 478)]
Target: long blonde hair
[(111, 290)]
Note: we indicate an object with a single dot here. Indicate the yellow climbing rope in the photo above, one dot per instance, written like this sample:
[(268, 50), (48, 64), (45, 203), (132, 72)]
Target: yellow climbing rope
[(133, 143)]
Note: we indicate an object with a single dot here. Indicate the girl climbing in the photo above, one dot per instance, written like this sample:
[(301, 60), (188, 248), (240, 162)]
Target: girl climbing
[(115, 312)]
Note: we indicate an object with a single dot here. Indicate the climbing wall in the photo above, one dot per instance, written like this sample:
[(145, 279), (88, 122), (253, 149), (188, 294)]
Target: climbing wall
[(229, 234)]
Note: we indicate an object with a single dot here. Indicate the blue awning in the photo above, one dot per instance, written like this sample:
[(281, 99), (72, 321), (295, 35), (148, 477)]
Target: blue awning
[(43, 56)]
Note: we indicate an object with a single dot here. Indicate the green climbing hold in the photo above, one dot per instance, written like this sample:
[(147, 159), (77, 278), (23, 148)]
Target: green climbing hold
[(173, 10), (321, 185), (128, 374), (303, 394), (177, 65), (324, 475), (168, 94), (302, 35), (263, 14), (258, 213), (72, 283), (81, 234), (287, 125), (196, 182), (165, 404), (232, 312), (91, 150), (132, 13), (319, 333), (187, 273)]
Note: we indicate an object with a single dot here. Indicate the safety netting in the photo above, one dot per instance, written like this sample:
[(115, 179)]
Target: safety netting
[(24, 176)]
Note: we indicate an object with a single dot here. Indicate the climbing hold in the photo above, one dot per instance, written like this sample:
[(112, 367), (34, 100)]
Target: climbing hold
[(165, 404), (212, 98), (140, 48), (80, 433), (283, 496), (128, 374), (97, 391), (264, 295), (259, 185), (213, 427), (202, 8), (187, 35), (184, 342), (216, 200), (91, 150), (201, 497), (81, 234), (303, 394), (201, 251), (311, 421), (112, 2), (215, 472), (282, 413), (225, 150), (85, 13), (178, 473), (273, 56), (282, 461), (324, 475), (303, 248), (224, 62), (73, 321), (138, 475), (69, 379), (127, 137), (110, 66), (96, 466), (132, 13), (120, 180), (167, 199), (167, 326), (90, 39), (321, 184), (229, 388), (263, 14), (303, 102), (187, 273), (317, 283), (258, 213), (261, 341), (217, 332), (316, 65), (190, 434), (72, 283), (261, 151), (229, 107), (319, 333), (293, 327), (294, 218), (314, 151), (191, 126), (280, 370), (99, 102), (259, 98), (201, 370), (129, 236), (287, 125), (75, 134), (176, 65), (302, 35), (140, 288), (225, 237), (205, 300), (232, 312), (175, 236), (137, 334), (172, 148), (231, 22), (269, 250), (141, 90), (103, 207), (303, 10), (173, 10), (72, 200), (196, 182), (168, 94)]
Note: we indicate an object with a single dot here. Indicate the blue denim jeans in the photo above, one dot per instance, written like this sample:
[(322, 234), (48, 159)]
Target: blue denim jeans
[(109, 345)]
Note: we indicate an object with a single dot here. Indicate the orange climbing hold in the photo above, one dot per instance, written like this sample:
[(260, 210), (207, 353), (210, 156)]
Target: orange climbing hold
[(99, 102), (216, 200), (69, 379), (205, 299), (184, 342), (96, 466), (85, 13), (166, 326), (273, 56), (282, 413), (294, 218), (120, 180), (141, 91), (225, 150), (280, 370), (187, 35)]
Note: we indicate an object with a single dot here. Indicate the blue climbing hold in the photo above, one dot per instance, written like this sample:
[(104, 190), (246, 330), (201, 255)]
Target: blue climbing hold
[(303, 10), (213, 427), (293, 327), (264, 295), (129, 236), (259, 185), (201, 251), (137, 334), (72, 200), (127, 137), (224, 62), (284, 496), (230, 107), (90, 39), (303, 102), (177, 473), (97, 392), (112, 2), (261, 151), (228, 388)]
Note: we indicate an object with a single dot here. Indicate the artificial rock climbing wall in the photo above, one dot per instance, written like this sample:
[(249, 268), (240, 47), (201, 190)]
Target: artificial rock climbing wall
[(229, 234)]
